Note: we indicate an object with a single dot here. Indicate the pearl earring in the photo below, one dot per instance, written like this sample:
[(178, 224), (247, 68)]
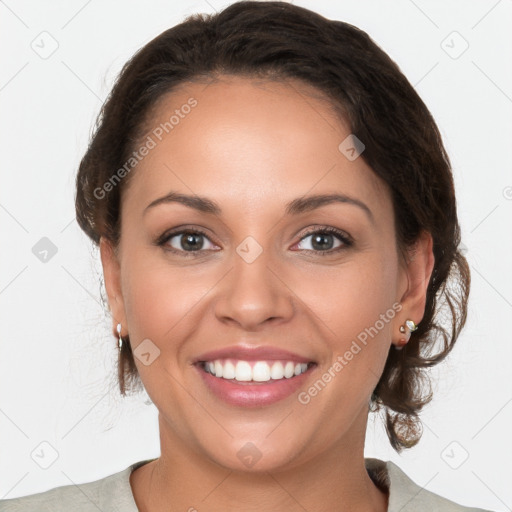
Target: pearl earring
[(406, 329)]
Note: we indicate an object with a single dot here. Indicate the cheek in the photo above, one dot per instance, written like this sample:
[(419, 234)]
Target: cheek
[(161, 297), (350, 298), (356, 310)]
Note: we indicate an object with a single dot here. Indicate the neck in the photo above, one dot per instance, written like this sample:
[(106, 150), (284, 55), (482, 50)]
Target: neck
[(335, 479)]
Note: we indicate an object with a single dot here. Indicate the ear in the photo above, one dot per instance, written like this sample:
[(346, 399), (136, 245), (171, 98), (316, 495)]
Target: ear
[(112, 277), (418, 270)]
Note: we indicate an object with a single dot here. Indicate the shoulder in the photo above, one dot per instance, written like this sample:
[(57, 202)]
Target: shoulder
[(111, 493), (407, 496)]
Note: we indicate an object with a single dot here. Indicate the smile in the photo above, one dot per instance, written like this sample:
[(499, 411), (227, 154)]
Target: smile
[(254, 371), (250, 384)]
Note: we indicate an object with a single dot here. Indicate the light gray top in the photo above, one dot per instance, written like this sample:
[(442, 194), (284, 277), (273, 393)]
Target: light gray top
[(114, 494)]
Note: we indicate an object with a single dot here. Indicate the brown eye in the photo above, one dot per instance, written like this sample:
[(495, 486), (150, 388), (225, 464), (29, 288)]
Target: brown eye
[(324, 241), (186, 242)]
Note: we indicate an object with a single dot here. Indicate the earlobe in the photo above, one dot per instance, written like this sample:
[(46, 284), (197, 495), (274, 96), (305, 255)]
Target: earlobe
[(112, 278)]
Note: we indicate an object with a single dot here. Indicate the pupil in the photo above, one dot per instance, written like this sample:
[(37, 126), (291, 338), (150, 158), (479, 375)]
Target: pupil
[(190, 241), (318, 239)]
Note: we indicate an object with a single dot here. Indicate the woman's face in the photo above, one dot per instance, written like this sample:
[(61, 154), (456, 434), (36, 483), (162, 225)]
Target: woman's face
[(262, 273)]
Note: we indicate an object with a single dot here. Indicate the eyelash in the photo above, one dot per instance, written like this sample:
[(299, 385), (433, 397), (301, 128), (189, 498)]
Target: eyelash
[(347, 241)]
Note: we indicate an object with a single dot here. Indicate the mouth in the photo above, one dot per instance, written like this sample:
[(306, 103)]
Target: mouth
[(253, 377)]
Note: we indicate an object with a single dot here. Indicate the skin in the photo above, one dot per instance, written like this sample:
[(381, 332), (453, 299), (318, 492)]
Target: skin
[(252, 147)]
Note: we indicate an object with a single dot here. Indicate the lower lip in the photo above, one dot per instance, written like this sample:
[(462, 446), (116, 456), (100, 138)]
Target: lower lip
[(257, 394)]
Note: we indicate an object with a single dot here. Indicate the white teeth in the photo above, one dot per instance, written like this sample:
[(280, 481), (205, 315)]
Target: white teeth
[(289, 370), (300, 368), (243, 371), (218, 368), (229, 371), (277, 371), (260, 371)]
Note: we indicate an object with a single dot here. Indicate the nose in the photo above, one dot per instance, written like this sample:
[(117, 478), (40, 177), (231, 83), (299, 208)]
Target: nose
[(254, 294)]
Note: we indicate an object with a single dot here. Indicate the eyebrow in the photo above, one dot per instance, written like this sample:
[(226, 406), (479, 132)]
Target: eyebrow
[(295, 207)]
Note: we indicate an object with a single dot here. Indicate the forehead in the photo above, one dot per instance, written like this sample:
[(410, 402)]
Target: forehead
[(243, 142)]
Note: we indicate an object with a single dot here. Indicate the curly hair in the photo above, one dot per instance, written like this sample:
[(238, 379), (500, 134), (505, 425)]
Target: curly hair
[(277, 41)]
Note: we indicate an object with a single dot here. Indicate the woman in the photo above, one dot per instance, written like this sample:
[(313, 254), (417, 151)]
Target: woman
[(277, 223)]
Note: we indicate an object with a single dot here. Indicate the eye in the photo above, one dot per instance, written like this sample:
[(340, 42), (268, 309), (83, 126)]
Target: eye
[(186, 242), (323, 241), (193, 242)]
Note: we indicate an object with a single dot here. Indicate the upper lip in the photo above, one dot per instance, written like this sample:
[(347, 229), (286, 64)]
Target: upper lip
[(250, 353)]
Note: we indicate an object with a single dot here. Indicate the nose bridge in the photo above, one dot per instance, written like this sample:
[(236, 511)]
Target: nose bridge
[(252, 292)]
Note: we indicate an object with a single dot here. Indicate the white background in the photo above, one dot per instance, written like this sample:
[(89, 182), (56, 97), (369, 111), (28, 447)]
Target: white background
[(57, 363)]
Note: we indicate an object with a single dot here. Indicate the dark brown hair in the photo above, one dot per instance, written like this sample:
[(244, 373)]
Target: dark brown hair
[(403, 146)]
